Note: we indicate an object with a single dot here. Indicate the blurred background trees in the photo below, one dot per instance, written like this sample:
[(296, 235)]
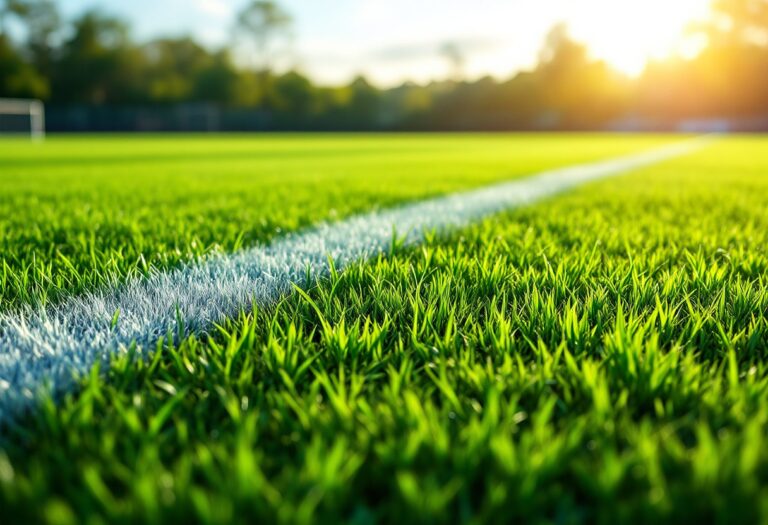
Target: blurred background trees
[(93, 62)]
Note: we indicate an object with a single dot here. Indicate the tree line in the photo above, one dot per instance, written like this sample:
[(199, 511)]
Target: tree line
[(93, 61)]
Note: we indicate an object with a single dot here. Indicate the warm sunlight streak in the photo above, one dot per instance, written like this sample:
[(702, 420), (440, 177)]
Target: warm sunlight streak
[(627, 33)]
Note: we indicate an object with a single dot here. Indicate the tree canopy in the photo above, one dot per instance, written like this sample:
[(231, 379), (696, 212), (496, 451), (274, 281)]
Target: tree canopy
[(93, 60)]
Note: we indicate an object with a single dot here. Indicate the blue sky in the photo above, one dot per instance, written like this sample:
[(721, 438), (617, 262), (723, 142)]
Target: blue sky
[(393, 40)]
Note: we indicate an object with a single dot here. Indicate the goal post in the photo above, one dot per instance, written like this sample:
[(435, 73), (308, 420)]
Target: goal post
[(22, 116)]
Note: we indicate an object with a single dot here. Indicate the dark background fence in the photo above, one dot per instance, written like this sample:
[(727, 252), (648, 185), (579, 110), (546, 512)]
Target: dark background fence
[(212, 118)]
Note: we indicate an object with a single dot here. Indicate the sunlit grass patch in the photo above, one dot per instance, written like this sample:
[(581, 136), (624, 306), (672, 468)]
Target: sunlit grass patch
[(597, 357), (79, 212)]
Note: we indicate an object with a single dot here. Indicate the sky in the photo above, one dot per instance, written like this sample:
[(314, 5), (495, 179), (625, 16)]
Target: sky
[(390, 41)]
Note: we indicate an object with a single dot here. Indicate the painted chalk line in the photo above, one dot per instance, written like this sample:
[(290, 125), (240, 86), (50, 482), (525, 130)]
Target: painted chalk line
[(50, 348)]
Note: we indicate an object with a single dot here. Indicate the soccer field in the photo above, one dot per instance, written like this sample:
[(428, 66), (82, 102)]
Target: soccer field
[(596, 356)]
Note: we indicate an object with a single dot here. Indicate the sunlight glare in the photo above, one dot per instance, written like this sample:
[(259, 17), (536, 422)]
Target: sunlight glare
[(629, 33)]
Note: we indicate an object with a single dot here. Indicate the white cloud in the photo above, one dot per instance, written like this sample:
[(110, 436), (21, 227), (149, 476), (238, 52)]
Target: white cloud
[(218, 8)]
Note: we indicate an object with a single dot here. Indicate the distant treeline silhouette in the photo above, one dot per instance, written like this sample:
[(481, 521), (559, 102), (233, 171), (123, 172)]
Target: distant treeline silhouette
[(92, 75)]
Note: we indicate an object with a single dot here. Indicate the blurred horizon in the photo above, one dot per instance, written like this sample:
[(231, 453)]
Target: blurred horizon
[(259, 65), (495, 38)]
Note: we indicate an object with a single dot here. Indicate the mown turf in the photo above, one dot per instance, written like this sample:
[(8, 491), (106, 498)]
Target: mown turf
[(78, 212), (599, 357)]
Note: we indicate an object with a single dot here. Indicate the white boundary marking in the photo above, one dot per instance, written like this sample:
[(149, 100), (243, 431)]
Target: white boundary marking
[(50, 348)]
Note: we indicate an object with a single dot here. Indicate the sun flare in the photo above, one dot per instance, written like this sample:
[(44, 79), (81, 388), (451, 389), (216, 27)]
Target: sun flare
[(629, 33)]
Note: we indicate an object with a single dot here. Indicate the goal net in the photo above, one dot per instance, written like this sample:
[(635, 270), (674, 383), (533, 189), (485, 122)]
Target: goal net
[(22, 117)]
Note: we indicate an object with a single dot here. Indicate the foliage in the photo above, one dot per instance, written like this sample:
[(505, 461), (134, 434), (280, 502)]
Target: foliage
[(17, 78), (748, 19), (93, 61), (261, 21)]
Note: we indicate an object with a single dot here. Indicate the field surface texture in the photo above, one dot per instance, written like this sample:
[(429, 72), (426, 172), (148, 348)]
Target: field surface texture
[(595, 357)]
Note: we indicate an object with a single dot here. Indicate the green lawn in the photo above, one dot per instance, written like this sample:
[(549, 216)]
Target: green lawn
[(78, 212), (598, 357)]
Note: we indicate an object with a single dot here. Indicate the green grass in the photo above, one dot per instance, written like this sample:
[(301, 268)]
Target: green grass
[(76, 213), (599, 357)]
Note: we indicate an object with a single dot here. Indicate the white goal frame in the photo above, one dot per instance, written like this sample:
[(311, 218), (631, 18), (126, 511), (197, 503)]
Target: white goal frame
[(34, 108)]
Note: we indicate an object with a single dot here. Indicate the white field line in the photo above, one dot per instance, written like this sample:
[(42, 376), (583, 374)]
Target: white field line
[(49, 349)]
